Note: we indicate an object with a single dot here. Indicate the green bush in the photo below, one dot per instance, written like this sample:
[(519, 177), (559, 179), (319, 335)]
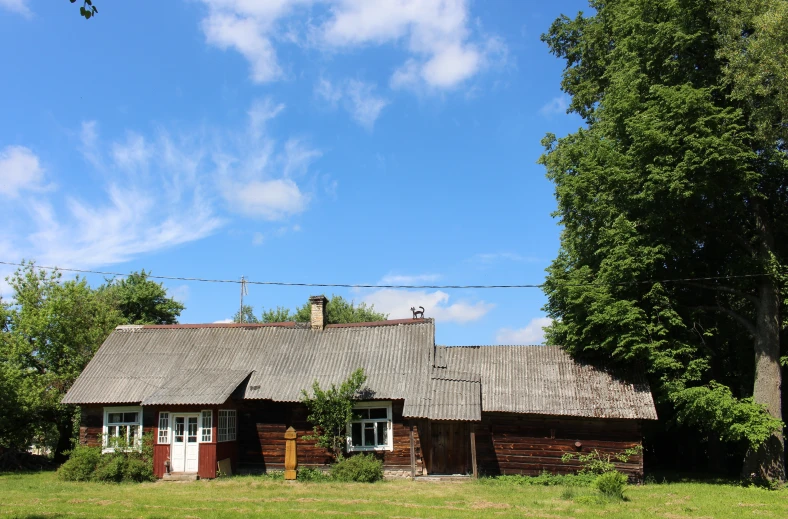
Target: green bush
[(363, 468), (89, 464), (311, 474), (138, 470), (110, 468), (611, 484), (81, 464)]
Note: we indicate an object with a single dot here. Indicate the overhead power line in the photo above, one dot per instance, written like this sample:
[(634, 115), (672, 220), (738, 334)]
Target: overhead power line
[(353, 285)]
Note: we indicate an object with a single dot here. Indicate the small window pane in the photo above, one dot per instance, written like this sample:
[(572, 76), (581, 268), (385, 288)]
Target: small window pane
[(179, 429), (369, 434), (115, 417), (130, 417), (378, 412), (361, 414), (356, 434), (382, 434), (192, 432)]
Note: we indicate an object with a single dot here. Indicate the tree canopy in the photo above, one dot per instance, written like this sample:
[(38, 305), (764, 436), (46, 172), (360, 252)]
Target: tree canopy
[(674, 205), (338, 311), (141, 300), (50, 330)]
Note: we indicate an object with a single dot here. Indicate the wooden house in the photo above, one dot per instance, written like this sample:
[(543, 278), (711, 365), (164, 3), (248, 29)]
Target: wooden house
[(213, 392)]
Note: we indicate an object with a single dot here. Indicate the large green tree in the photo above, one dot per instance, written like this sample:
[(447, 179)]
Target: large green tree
[(338, 311), (141, 300), (50, 331), (674, 203)]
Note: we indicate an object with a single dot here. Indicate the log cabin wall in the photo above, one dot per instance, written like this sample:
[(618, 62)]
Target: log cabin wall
[(508, 443), (261, 438)]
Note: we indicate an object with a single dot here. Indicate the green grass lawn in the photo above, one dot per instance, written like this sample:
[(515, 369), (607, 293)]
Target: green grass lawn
[(43, 495)]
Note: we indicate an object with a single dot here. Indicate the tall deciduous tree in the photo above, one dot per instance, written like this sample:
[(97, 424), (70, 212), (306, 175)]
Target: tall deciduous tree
[(141, 300), (680, 173)]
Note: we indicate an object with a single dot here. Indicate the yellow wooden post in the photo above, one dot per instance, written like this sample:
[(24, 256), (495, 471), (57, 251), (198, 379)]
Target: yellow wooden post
[(291, 462)]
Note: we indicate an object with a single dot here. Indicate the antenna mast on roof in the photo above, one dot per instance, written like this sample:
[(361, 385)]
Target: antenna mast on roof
[(243, 293)]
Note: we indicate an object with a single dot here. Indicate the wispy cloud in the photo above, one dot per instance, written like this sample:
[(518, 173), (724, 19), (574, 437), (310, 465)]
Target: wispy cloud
[(556, 106), (148, 205), (532, 333), (17, 6), (357, 97)]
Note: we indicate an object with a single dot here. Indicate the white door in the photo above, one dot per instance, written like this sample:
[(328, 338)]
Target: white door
[(184, 452)]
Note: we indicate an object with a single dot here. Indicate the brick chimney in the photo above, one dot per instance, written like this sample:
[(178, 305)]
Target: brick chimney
[(318, 318)]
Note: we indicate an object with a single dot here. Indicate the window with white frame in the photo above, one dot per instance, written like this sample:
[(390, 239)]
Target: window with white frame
[(206, 424), (122, 428), (227, 425), (370, 428), (164, 428)]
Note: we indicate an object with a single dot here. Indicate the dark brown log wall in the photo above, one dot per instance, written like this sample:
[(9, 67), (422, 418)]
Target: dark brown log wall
[(262, 426), (508, 443)]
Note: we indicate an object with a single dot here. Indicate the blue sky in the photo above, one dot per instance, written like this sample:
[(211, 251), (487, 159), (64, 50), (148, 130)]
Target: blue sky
[(345, 141)]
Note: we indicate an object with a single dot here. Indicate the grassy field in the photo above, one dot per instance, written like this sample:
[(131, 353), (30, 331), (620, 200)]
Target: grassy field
[(43, 495)]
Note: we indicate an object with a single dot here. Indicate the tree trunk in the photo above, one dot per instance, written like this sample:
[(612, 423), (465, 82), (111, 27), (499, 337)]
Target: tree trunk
[(65, 428), (768, 461)]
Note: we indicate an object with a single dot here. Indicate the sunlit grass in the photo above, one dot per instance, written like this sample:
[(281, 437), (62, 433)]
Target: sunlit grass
[(43, 495)]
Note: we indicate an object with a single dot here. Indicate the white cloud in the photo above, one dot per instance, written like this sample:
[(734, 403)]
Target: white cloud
[(224, 321), (532, 333), (397, 304), (17, 6), (270, 199), (556, 106), (259, 180), (258, 238), (444, 50), (358, 98), (159, 191), (20, 170)]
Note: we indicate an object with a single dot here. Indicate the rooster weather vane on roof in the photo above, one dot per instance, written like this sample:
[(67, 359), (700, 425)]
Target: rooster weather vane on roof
[(417, 314)]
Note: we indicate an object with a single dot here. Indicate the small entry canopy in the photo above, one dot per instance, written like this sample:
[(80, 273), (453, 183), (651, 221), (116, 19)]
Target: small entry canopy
[(198, 386)]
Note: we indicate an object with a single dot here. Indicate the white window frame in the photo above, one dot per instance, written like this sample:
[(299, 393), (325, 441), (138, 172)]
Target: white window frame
[(388, 422), (205, 435), (163, 437), (228, 425), (105, 430)]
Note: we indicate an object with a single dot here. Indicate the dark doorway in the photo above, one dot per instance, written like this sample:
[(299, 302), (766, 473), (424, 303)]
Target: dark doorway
[(450, 448)]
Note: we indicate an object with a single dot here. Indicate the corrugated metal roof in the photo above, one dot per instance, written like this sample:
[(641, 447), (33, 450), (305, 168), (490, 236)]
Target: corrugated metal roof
[(198, 386), (136, 362), (546, 380), (455, 396), (201, 364)]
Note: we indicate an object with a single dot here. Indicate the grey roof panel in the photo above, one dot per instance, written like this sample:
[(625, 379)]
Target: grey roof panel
[(546, 380), (139, 363), (198, 386)]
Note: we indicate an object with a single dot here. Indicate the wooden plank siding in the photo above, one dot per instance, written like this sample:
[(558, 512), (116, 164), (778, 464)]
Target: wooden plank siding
[(508, 443), (261, 443)]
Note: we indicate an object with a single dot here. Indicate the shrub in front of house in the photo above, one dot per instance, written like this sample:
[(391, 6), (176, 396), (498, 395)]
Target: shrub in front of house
[(312, 474), (89, 464), (611, 484), (81, 464), (362, 468)]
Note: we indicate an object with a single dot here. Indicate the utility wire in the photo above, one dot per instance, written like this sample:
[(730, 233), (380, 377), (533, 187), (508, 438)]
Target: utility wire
[(351, 285)]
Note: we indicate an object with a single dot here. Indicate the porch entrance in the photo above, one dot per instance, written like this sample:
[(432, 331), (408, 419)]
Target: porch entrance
[(185, 450), (450, 448)]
